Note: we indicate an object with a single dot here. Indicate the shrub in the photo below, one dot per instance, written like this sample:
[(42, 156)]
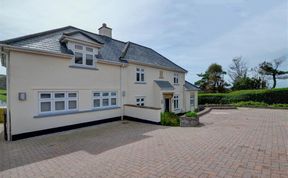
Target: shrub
[(269, 96), (2, 111), (279, 105), (170, 119), (250, 103), (191, 114)]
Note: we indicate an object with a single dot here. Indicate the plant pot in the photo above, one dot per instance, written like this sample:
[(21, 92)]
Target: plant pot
[(189, 121)]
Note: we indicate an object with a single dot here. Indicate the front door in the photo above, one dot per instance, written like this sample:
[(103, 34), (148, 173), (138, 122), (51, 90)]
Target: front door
[(167, 104)]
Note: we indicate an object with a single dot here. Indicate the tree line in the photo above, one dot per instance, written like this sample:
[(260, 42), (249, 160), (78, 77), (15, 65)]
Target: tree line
[(241, 76)]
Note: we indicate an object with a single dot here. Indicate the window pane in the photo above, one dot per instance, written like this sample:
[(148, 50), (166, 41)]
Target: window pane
[(78, 58), (79, 47), (137, 69), (45, 95), (45, 106), (142, 77), (105, 102), (142, 70), (113, 101), (142, 104), (137, 100), (72, 95), (59, 105), (72, 104), (89, 59), (96, 103), (137, 77), (59, 95), (105, 94), (113, 94), (89, 49), (97, 94)]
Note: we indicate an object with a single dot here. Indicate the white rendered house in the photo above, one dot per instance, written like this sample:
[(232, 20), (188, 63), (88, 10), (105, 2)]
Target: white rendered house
[(68, 77)]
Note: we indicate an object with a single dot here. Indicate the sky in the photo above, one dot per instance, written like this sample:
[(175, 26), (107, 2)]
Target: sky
[(191, 33)]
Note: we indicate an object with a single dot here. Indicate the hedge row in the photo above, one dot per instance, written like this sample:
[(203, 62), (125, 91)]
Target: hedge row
[(2, 111), (269, 96)]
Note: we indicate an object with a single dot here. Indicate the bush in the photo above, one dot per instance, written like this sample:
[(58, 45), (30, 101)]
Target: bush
[(250, 103), (170, 119), (2, 111), (269, 96), (191, 114), (279, 105)]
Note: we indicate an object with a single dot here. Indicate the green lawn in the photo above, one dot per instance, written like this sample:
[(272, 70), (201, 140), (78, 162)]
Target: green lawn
[(2, 95)]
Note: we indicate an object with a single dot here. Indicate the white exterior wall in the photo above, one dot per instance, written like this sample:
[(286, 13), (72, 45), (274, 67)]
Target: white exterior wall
[(32, 73), (153, 95), (143, 113)]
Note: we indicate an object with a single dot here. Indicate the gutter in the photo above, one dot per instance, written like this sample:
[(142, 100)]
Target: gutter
[(35, 51)]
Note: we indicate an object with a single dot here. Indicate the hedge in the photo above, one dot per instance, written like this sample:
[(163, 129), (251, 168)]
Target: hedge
[(269, 96), (2, 111)]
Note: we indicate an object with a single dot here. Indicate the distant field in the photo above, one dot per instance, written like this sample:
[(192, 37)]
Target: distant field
[(2, 95)]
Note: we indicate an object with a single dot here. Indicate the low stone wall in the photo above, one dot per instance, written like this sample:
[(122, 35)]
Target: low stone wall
[(188, 121)]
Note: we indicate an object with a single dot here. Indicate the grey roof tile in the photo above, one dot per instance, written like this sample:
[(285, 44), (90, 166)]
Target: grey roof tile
[(190, 86), (164, 85), (112, 50)]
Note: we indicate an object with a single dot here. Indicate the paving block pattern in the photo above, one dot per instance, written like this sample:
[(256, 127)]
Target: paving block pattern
[(228, 143)]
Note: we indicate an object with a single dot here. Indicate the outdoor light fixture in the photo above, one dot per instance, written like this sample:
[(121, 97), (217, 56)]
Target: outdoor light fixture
[(22, 96)]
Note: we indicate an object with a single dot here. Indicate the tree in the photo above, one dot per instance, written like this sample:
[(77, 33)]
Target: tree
[(272, 69), (213, 79), (238, 69), (246, 83)]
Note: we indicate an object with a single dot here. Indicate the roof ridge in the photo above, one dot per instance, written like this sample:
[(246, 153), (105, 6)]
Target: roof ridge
[(35, 34)]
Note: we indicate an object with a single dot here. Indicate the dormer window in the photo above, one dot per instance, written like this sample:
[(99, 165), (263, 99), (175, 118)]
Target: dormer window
[(84, 56)]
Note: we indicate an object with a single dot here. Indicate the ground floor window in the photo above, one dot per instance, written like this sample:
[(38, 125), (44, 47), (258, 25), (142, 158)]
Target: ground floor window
[(104, 99), (192, 100), (176, 102), (51, 102), (140, 101)]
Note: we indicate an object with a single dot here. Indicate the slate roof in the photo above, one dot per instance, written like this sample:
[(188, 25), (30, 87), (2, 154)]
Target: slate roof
[(112, 49), (164, 85), (190, 86)]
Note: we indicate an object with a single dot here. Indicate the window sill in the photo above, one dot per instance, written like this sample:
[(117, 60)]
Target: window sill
[(176, 84), (140, 83), (74, 112), (83, 67)]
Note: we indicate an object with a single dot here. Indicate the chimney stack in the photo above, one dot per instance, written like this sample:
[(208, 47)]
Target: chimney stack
[(105, 31)]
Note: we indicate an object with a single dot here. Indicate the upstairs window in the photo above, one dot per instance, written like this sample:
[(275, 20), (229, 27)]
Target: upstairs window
[(84, 56), (140, 75), (176, 78), (161, 74)]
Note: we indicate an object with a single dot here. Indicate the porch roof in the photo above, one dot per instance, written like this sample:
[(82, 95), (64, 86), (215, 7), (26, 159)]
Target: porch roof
[(164, 85)]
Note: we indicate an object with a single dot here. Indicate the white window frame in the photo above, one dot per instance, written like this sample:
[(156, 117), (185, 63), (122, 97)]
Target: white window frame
[(85, 52), (111, 95), (140, 101), (192, 98), (176, 102), (53, 99), (176, 78), (141, 73)]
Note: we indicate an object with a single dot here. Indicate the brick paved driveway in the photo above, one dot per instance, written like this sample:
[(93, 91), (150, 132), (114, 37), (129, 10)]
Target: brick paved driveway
[(231, 143)]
